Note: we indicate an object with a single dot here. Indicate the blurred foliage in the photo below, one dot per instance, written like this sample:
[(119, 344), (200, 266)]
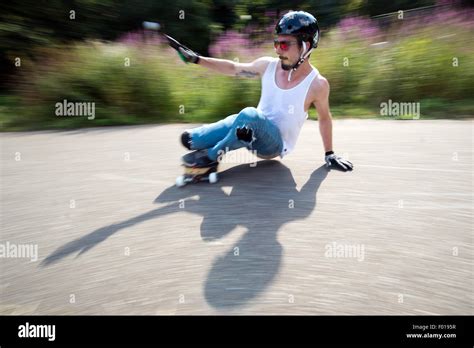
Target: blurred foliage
[(366, 60), (155, 87), (123, 93), (29, 24), (412, 62)]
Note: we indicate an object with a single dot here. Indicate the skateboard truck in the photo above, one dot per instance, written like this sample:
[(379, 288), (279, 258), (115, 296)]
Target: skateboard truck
[(194, 171)]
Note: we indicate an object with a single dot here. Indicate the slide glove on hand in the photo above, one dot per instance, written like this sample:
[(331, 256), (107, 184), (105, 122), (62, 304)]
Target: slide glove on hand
[(187, 55), (338, 163)]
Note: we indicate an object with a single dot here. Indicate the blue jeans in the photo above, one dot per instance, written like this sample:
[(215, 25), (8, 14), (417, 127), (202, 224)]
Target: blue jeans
[(221, 136)]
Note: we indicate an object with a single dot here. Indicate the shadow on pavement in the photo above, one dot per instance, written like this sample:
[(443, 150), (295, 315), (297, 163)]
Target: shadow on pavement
[(262, 200)]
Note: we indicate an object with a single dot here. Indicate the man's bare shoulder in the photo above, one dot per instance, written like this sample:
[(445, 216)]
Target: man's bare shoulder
[(319, 88), (264, 61)]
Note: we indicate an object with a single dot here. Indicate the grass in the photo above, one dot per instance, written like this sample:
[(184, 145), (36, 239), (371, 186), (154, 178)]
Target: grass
[(156, 87)]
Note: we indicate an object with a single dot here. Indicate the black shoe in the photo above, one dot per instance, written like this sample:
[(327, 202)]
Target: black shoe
[(186, 140), (198, 158)]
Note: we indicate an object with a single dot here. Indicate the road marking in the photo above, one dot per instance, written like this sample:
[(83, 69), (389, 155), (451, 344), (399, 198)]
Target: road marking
[(227, 190)]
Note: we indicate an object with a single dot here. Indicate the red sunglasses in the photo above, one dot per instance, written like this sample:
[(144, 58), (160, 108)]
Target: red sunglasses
[(284, 45)]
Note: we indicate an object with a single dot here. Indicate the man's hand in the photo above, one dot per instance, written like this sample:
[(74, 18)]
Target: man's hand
[(338, 163), (187, 55)]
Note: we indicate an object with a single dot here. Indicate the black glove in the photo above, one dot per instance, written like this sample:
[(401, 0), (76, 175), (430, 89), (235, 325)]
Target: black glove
[(338, 163), (187, 55)]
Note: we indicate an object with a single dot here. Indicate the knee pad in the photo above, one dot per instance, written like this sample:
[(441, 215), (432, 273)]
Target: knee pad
[(186, 140), (244, 134)]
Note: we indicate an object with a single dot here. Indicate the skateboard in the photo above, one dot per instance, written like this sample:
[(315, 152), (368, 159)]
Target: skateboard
[(194, 171)]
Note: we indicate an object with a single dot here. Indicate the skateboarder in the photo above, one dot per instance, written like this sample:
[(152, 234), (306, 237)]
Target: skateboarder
[(290, 85)]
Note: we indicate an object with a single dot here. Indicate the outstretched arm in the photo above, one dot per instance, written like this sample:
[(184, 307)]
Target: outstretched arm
[(229, 67), (224, 66)]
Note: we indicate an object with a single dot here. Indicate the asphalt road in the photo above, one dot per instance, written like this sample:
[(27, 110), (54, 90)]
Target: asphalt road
[(114, 235)]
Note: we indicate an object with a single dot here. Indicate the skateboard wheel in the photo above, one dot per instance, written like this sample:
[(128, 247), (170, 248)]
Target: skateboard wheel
[(180, 181), (213, 178)]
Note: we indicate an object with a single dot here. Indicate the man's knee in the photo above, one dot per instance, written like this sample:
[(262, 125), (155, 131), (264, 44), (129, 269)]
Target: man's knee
[(247, 114), (245, 119), (186, 140)]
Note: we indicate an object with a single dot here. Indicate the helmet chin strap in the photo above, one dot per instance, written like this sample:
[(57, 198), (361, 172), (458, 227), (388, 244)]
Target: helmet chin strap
[(301, 60)]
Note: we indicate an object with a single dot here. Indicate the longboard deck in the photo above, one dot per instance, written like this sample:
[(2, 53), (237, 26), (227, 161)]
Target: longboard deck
[(194, 172)]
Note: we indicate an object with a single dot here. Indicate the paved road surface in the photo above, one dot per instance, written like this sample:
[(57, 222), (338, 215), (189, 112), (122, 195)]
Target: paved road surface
[(114, 235)]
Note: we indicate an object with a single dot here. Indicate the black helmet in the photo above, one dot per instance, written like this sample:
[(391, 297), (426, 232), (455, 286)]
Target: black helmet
[(301, 24)]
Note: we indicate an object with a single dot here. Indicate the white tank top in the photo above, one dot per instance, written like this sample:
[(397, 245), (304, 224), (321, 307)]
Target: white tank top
[(284, 107)]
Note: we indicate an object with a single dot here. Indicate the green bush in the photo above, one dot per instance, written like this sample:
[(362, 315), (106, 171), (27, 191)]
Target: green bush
[(411, 67), (155, 87), (414, 66), (123, 93)]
